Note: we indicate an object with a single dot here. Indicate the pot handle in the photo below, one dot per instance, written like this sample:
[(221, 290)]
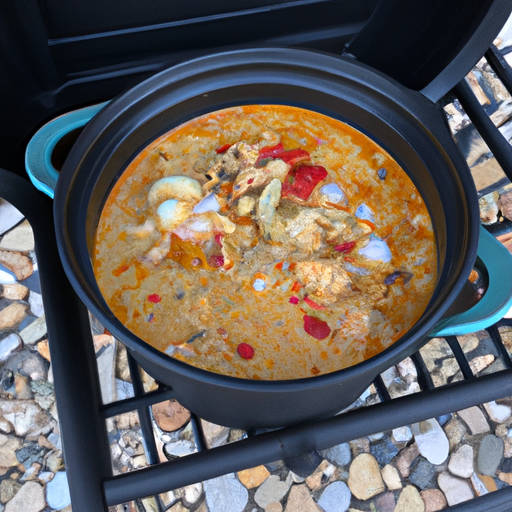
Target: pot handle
[(497, 299), (38, 155)]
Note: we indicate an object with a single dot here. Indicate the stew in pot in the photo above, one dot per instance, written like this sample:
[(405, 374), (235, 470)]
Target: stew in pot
[(266, 242)]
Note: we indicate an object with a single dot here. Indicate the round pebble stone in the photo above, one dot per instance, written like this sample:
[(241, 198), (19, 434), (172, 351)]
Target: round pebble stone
[(434, 500), (365, 480), (339, 455), (335, 498), (431, 441), (225, 493), (29, 497), (391, 477), (300, 500), (461, 462), (272, 489), (9, 345), (490, 454), (57, 491), (383, 450), (455, 489), (170, 415), (410, 501)]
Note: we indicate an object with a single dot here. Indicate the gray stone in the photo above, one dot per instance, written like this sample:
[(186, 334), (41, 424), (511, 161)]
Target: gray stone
[(8, 488), (105, 360), (30, 453), (57, 491), (498, 412), (225, 493), (26, 417), (9, 345), (335, 498), (384, 451), (34, 367), (215, 435), (339, 455), (272, 489), (431, 440), (402, 434), (35, 301), (490, 454), (422, 474), (35, 331), (29, 497), (21, 238), (9, 216)]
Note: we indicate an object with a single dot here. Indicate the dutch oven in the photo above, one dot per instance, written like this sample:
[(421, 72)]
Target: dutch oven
[(404, 122)]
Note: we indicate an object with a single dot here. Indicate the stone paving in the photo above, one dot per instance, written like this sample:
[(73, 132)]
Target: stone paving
[(423, 467), (426, 466)]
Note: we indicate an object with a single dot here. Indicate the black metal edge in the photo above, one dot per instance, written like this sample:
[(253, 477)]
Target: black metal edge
[(77, 388), (293, 441)]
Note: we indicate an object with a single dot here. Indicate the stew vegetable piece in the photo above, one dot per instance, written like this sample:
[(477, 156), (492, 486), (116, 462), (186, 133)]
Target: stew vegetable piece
[(266, 242)]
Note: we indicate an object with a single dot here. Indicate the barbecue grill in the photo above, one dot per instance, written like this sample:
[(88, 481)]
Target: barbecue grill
[(63, 59)]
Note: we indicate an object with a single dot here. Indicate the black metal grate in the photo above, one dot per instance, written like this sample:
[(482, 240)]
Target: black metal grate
[(88, 460)]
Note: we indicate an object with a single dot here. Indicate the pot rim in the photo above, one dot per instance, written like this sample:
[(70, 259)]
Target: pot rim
[(411, 103)]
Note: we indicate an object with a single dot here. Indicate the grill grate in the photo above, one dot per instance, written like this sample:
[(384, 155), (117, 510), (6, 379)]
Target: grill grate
[(88, 459)]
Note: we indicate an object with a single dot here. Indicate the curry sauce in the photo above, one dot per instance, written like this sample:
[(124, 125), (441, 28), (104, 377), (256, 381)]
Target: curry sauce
[(266, 242)]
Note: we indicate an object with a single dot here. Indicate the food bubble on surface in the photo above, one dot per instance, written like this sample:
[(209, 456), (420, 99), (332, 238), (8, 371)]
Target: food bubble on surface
[(175, 187)]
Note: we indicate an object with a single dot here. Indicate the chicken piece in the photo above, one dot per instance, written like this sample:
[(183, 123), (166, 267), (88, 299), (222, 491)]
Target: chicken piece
[(255, 177), (326, 281)]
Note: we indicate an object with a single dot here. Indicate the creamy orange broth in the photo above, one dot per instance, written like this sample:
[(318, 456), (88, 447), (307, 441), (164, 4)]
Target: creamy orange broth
[(313, 283)]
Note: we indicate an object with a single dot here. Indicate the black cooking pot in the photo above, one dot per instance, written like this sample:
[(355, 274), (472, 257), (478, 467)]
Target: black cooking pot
[(410, 127)]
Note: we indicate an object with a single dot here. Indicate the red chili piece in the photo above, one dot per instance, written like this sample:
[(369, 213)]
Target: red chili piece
[(316, 327), (223, 149), (294, 156), (245, 351), (294, 300), (216, 261), (270, 152), (218, 239), (250, 180), (346, 247), (154, 298), (313, 304), (301, 181)]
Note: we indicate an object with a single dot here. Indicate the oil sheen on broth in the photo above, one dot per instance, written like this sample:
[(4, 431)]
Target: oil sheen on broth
[(266, 242)]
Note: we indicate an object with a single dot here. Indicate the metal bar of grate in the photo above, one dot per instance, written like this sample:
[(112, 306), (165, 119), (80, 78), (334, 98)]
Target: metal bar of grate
[(381, 388), (199, 436), (466, 370), (293, 441), (424, 378), (495, 335), (500, 66), (137, 402), (144, 413), (499, 146)]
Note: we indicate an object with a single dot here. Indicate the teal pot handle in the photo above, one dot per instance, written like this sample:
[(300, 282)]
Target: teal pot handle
[(497, 299), (493, 255), (38, 155)]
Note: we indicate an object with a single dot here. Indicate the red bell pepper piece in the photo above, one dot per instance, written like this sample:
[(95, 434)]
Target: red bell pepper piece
[(316, 327), (223, 149), (291, 156), (301, 181), (344, 248), (270, 151), (294, 156)]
